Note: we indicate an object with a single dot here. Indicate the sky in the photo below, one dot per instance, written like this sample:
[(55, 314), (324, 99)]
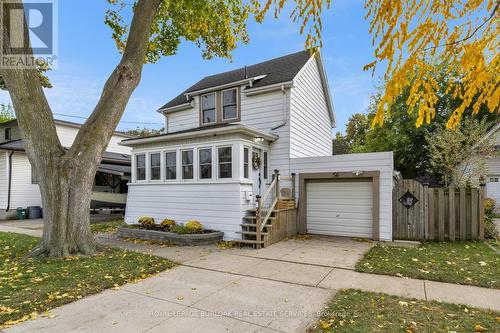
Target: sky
[(87, 55)]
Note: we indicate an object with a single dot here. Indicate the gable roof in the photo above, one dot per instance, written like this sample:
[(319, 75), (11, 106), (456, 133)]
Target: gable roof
[(278, 70), (13, 122)]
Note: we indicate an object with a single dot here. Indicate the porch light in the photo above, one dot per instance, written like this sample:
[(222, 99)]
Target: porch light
[(258, 139)]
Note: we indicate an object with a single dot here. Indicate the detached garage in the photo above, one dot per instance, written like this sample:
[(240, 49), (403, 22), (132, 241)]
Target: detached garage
[(345, 195)]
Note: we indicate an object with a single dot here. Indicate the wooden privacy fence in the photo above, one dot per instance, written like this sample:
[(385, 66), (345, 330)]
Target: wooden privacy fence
[(423, 213)]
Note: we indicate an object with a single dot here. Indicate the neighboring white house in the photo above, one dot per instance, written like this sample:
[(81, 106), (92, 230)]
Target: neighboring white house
[(227, 133), (493, 166), (18, 185)]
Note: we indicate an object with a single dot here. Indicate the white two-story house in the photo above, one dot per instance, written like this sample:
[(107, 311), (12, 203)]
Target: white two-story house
[(228, 133)]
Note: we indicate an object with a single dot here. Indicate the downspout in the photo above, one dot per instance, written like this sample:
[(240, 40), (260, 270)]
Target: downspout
[(284, 110), (9, 163)]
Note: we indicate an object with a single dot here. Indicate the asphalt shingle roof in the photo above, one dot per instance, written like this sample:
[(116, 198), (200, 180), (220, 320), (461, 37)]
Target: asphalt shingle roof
[(282, 69)]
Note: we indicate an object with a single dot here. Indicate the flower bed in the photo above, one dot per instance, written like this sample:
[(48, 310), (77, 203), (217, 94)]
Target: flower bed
[(162, 234)]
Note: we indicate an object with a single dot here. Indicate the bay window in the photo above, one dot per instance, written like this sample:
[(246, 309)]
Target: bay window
[(155, 166), (187, 164), (205, 161), (140, 167), (170, 165), (246, 165), (225, 162)]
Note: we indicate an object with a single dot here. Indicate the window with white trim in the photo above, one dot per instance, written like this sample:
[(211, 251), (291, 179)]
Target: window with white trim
[(225, 160), (230, 104), (140, 167), (246, 164), (208, 109), (170, 165), (155, 166), (205, 161), (187, 164), (266, 165)]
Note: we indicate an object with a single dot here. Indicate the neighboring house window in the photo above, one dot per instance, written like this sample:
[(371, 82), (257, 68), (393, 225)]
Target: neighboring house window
[(140, 167), (155, 166), (246, 153), (8, 133), (266, 163), (208, 111), (229, 104), (225, 162), (187, 164), (494, 180), (170, 165), (205, 156)]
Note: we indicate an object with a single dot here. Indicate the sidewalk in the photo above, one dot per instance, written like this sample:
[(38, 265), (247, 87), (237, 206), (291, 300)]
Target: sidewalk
[(222, 289)]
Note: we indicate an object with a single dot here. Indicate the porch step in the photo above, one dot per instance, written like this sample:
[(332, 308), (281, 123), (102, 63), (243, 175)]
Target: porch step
[(255, 209), (251, 233), (254, 225), (249, 241)]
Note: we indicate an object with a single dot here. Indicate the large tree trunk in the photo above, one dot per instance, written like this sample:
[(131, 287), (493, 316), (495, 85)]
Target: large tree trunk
[(66, 176)]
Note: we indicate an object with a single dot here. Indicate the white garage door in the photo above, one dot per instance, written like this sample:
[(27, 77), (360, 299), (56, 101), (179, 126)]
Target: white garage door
[(340, 208)]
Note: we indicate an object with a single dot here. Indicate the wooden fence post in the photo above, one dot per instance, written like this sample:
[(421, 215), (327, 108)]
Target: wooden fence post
[(482, 196), (440, 208), (474, 195), (451, 213)]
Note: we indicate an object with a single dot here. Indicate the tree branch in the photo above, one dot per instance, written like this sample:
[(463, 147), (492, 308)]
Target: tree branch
[(492, 14), (96, 132), (32, 110)]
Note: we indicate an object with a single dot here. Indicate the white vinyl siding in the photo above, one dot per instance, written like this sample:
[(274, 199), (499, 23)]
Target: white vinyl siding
[(23, 192), (382, 162), (183, 120), (340, 208), (493, 165), (216, 205), (15, 134), (265, 111), (67, 135), (310, 124)]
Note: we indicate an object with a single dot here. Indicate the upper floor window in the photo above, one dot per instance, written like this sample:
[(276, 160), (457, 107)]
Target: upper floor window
[(229, 104), (187, 164), (140, 167), (208, 110), (170, 165), (155, 166), (8, 133), (205, 163), (225, 162)]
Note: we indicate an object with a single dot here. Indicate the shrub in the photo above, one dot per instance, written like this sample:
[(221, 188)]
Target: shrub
[(180, 229), (490, 229), (167, 223), (194, 226), (146, 221)]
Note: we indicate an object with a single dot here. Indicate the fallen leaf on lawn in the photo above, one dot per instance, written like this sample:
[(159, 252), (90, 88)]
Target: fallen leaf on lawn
[(479, 328), (180, 298), (482, 263), (115, 287), (403, 303)]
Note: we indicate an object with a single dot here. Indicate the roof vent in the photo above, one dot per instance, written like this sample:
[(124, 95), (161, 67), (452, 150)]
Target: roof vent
[(246, 74)]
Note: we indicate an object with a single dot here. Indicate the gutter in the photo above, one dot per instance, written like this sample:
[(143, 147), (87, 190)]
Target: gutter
[(9, 186), (269, 88), (236, 128)]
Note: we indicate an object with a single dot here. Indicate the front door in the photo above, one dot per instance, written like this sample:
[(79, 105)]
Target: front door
[(257, 172)]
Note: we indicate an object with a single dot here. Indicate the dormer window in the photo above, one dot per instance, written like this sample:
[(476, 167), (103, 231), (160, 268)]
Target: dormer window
[(208, 109), (230, 104)]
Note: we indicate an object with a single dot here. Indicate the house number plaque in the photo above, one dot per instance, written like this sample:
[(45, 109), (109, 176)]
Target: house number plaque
[(408, 200)]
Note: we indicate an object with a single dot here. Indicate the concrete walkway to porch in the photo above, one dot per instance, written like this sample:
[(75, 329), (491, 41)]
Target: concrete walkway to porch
[(277, 289)]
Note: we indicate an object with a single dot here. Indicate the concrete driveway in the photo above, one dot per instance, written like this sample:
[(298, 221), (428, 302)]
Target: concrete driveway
[(276, 289)]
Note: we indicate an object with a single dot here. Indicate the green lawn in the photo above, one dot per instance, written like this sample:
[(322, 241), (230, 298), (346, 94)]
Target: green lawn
[(472, 263), (109, 226), (29, 287), (353, 311)]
